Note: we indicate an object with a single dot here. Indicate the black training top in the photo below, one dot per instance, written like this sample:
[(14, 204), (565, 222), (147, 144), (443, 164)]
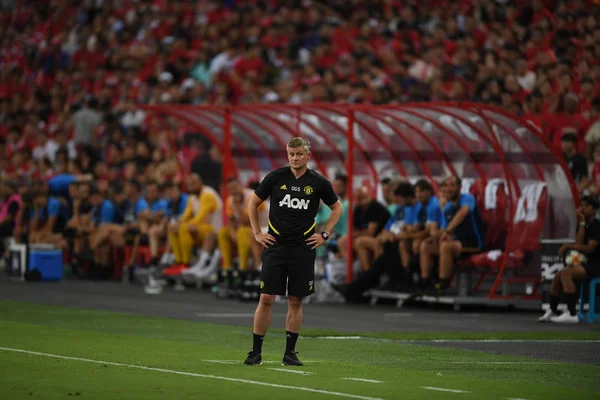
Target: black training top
[(294, 202), (592, 232)]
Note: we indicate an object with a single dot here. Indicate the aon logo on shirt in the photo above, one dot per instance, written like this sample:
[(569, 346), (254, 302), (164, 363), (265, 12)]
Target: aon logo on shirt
[(292, 202)]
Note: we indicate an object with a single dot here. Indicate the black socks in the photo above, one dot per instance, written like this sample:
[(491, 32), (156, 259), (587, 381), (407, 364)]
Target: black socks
[(554, 300), (571, 300), (290, 341), (425, 283), (444, 283), (257, 344)]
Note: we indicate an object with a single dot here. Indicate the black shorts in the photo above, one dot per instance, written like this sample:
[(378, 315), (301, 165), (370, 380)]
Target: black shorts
[(592, 270), (6, 229), (290, 266)]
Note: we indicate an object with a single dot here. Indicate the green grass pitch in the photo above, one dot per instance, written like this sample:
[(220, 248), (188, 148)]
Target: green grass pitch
[(58, 353)]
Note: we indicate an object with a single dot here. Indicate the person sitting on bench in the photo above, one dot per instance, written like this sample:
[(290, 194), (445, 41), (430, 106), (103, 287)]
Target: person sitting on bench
[(47, 220), (422, 222), (462, 233), (564, 282)]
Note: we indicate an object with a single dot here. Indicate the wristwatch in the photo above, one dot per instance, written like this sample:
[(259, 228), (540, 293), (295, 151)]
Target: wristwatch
[(325, 235)]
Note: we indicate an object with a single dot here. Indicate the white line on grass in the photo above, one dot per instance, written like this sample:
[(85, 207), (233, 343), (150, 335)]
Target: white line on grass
[(290, 370), (169, 371), (362, 380), (222, 361), (444, 390), (501, 362), (264, 362), (514, 398), (231, 315), (334, 337), (504, 341), (425, 341)]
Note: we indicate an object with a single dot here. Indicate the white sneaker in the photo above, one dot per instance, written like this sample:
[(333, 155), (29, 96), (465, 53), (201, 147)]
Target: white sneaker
[(167, 259), (547, 316), (201, 272), (565, 318)]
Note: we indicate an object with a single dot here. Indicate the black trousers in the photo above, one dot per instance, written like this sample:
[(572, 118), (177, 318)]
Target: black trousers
[(389, 263)]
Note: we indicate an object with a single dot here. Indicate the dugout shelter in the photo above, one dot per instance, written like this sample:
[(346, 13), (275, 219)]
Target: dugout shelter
[(522, 185)]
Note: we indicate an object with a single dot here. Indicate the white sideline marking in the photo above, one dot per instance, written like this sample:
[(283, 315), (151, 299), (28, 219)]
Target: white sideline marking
[(419, 341), (169, 371), (231, 315), (362, 380), (397, 315), (333, 337), (502, 362), (263, 361), (444, 390), (222, 361), (290, 370), (505, 341)]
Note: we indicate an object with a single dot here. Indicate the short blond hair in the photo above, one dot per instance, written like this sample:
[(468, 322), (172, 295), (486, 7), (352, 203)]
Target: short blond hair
[(299, 142)]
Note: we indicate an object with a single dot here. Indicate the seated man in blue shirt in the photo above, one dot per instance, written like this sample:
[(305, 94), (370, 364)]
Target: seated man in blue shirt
[(47, 220), (462, 232), (126, 220), (102, 214), (423, 222), (79, 212), (154, 216), (176, 204)]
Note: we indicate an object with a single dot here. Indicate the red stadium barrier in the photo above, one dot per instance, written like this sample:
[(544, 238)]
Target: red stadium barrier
[(429, 140)]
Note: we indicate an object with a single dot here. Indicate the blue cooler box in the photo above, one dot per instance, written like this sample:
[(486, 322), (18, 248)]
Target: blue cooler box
[(48, 262)]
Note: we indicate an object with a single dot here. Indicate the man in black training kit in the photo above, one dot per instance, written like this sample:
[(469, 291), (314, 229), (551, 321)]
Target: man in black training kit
[(289, 254)]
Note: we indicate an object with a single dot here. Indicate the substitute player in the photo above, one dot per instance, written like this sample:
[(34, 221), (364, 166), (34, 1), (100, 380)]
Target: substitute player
[(289, 257)]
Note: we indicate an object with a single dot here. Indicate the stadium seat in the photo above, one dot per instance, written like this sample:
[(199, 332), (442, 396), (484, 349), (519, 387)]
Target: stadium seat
[(495, 220), (121, 257), (143, 254), (523, 240), (593, 312), (521, 243), (525, 237)]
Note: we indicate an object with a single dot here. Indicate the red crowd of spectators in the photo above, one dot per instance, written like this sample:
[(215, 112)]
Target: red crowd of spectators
[(72, 72)]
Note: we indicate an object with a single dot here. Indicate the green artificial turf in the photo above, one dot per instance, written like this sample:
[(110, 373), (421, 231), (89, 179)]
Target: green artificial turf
[(100, 339)]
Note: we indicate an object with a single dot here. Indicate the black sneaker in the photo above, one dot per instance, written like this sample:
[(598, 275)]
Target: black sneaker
[(291, 359), (254, 358)]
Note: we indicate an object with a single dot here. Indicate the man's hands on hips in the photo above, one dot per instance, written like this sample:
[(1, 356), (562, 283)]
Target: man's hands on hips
[(315, 240), (266, 239)]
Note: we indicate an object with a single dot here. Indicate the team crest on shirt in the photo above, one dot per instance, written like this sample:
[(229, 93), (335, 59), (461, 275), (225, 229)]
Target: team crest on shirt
[(308, 190), (262, 284)]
